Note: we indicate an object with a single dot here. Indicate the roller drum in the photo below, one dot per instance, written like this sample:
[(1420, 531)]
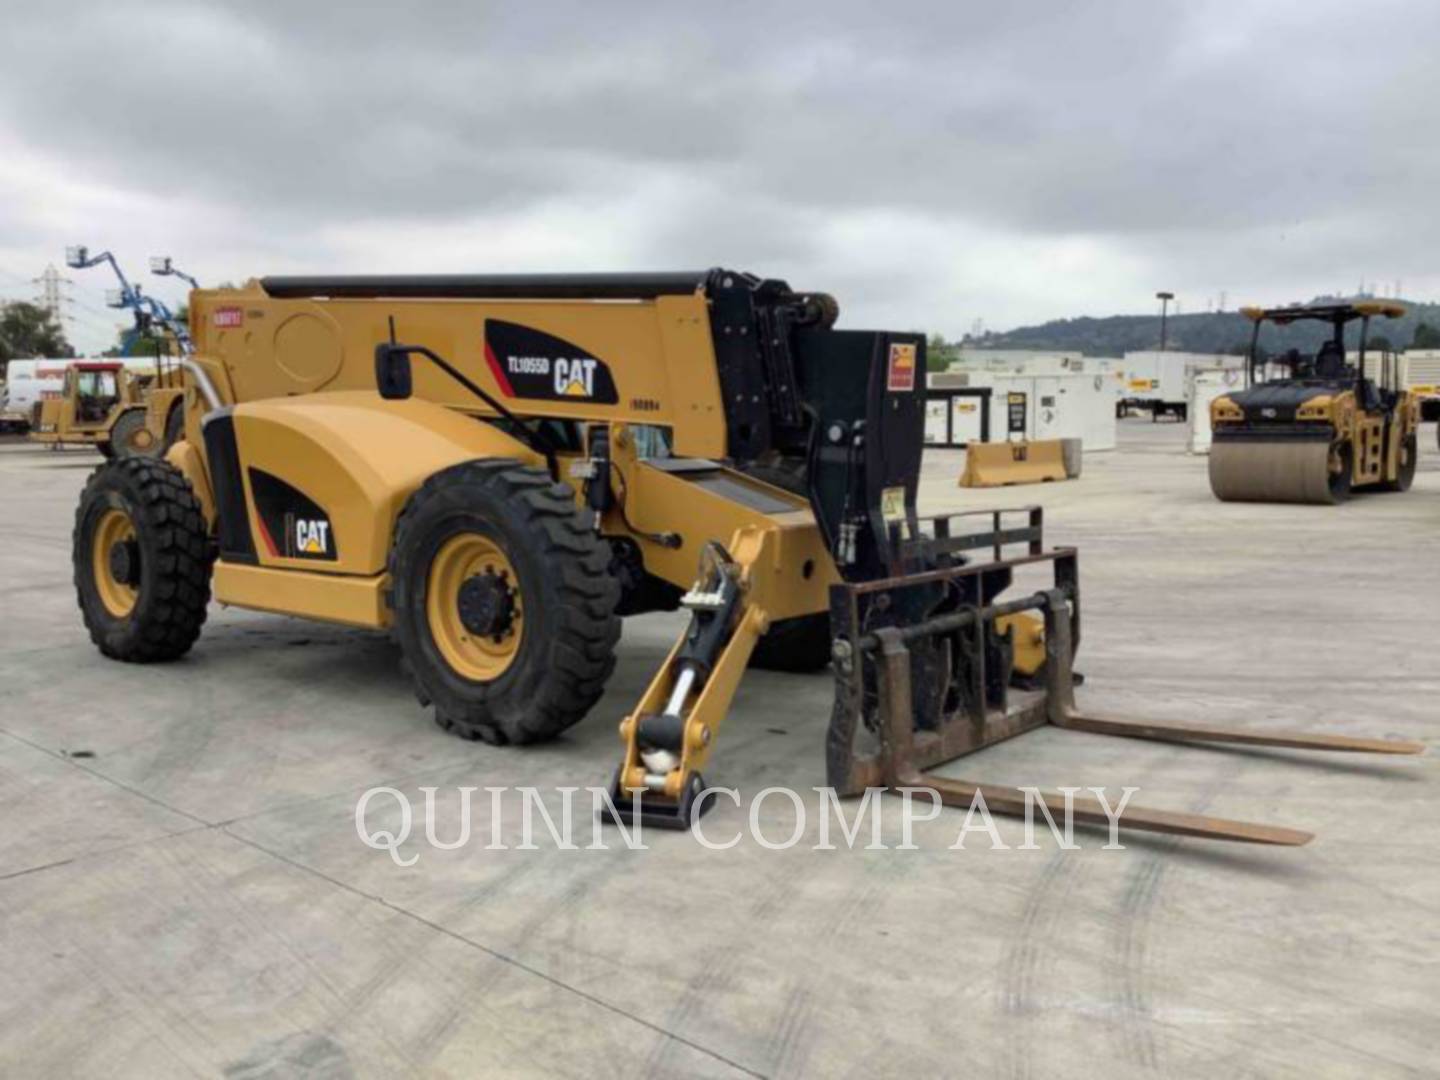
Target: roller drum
[(1274, 471)]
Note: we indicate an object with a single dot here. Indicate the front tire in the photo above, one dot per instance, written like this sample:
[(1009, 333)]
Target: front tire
[(142, 559), (504, 609)]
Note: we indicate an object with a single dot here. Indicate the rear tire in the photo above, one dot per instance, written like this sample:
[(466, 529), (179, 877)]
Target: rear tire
[(1405, 476), (798, 645), (146, 601), (521, 644)]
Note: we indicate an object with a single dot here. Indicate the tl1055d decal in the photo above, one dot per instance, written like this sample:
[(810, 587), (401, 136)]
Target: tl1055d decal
[(529, 363), (292, 526)]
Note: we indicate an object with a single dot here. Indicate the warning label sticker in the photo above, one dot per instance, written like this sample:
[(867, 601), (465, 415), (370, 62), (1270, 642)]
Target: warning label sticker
[(901, 374), (892, 510)]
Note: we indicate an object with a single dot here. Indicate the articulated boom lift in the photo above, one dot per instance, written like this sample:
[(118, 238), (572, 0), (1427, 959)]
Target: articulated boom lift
[(495, 468)]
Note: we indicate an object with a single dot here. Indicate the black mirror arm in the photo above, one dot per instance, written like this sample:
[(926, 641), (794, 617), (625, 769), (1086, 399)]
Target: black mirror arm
[(536, 440)]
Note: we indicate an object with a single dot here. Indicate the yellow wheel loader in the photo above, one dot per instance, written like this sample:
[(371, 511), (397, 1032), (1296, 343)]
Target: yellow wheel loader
[(117, 410), (1323, 429), (496, 469), (94, 398)]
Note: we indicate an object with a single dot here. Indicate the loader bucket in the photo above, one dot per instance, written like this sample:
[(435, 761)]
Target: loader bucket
[(925, 674), (1026, 462)]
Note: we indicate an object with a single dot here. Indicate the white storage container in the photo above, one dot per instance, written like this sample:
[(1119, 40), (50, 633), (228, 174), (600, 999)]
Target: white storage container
[(1205, 385), (1071, 405)]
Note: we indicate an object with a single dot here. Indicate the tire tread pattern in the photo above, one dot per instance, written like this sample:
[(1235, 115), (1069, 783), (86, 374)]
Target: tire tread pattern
[(581, 656), (171, 525)]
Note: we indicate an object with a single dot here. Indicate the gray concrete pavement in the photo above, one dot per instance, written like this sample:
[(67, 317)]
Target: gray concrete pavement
[(182, 891)]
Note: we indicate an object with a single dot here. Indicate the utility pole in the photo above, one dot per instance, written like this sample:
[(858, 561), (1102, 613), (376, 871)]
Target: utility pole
[(1164, 298)]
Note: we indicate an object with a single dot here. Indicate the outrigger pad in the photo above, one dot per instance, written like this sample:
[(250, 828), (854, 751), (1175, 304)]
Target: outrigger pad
[(656, 812)]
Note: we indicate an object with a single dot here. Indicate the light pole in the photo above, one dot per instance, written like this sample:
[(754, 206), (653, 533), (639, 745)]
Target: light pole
[(1164, 298)]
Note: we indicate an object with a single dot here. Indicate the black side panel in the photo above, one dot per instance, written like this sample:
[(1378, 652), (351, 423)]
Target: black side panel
[(895, 420), (293, 526), (236, 543), (865, 393), (744, 393)]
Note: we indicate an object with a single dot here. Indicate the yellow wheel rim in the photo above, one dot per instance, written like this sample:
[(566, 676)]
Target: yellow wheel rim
[(474, 608), (118, 596)]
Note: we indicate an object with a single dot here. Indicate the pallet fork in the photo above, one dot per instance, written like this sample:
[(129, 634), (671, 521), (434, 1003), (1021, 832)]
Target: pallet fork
[(875, 692)]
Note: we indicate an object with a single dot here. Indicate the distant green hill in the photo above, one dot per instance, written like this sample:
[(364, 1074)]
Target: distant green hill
[(1213, 332)]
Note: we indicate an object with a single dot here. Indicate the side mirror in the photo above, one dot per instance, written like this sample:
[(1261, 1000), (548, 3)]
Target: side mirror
[(392, 371)]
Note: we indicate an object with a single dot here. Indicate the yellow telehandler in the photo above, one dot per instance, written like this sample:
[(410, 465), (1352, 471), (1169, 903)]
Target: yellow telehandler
[(496, 468)]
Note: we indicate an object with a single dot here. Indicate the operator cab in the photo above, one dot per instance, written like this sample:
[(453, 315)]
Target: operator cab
[(96, 390), (1328, 369)]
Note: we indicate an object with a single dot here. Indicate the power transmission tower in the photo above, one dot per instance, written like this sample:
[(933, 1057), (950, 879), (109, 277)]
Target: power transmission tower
[(53, 296)]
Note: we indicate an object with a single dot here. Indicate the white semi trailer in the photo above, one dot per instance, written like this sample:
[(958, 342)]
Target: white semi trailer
[(26, 382), (1158, 382), (1421, 376)]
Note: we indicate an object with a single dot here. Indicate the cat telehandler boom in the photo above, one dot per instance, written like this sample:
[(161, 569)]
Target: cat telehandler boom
[(496, 468)]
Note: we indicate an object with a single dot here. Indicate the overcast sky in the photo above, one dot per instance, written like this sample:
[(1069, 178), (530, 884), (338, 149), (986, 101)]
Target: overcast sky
[(931, 164)]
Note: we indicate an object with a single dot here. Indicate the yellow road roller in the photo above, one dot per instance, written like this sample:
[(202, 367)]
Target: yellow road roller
[(1322, 428)]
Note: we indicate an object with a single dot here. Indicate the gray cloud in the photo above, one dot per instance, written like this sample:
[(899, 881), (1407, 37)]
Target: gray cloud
[(943, 162)]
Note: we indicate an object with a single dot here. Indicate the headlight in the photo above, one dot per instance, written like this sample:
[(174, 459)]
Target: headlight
[(1222, 409)]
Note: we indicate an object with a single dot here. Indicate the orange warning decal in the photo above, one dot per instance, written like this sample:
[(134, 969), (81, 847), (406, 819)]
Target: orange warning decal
[(901, 375)]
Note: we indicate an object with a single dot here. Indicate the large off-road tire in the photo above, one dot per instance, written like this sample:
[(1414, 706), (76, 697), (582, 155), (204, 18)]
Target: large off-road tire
[(1410, 452), (142, 561), (796, 645), (504, 609), (129, 427)]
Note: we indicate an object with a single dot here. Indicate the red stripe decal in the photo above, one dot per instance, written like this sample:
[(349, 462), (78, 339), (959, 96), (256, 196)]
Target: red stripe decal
[(265, 535), (498, 371)]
